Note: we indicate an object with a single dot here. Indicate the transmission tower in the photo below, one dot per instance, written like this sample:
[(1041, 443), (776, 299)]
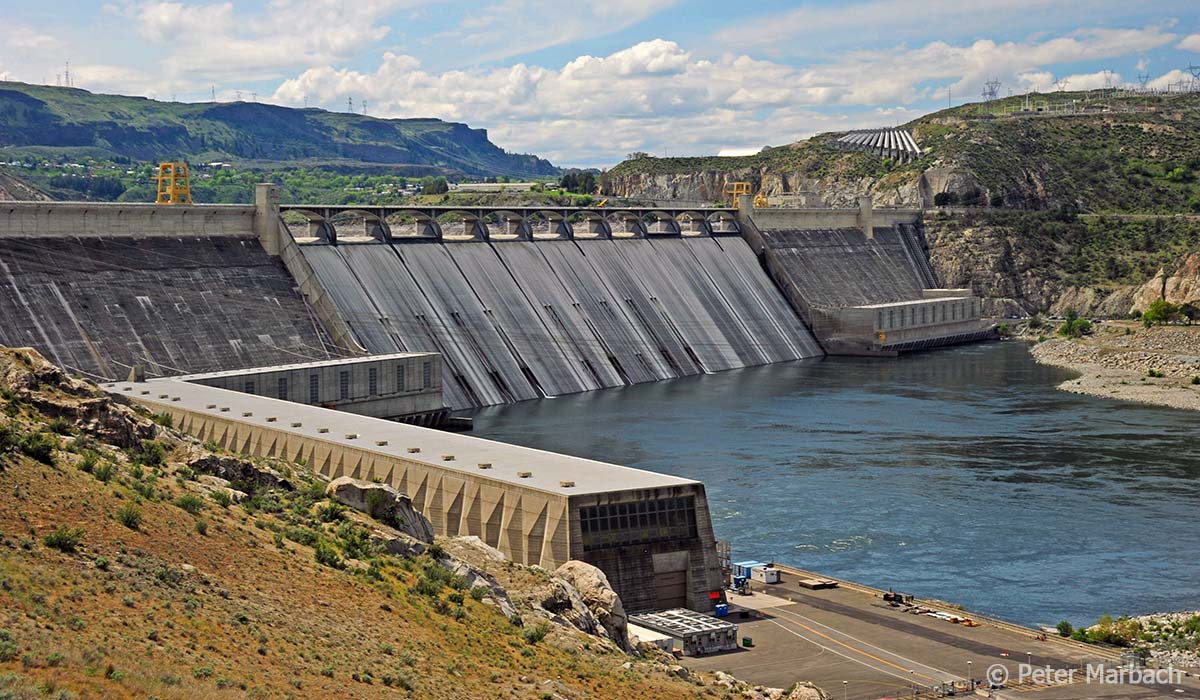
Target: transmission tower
[(1195, 71), (350, 105), (991, 89), (1062, 84), (1143, 80), (67, 75)]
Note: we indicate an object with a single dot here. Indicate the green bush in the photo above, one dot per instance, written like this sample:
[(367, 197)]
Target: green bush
[(1075, 327), (1196, 380), (40, 446), (164, 419), (201, 526), (130, 516), (535, 634), (64, 539), (327, 554), (60, 425), (1155, 373), (222, 498), (151, 453), (104, 471), (331, 512), (8, 646), (1065, 629), (190, 502)]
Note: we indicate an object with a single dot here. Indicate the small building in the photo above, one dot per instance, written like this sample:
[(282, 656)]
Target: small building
[(697, 634)]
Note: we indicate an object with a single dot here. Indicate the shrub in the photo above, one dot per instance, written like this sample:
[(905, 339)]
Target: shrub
[(301, 535), (1003, 330), (1075, 327), (1196, 380), (1156, 373), (104, 471), (130, 516), (201, 672), (191, 503), (355, 541), (222, 498), (152, 453), (164, 419), (535, 634), (331, 512), (40, 446), (201, 526), (1065, 629), (60, 425), (327, 554), (10, 439), (8, 646), (479, 592), (64, 539), (89, 462)]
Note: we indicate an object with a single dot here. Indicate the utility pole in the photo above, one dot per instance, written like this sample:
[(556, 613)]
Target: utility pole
[(350, 104)]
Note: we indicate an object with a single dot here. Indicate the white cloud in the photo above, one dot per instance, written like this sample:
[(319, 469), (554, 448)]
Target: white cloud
[(1191, 43), (656, 95)]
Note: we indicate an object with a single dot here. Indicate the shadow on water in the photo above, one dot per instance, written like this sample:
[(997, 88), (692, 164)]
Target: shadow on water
[(961, 474)]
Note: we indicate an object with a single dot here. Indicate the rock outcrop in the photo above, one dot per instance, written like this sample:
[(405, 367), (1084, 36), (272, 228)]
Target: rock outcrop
[(598, 596), (30, 377), (242, 474), (382, 502)]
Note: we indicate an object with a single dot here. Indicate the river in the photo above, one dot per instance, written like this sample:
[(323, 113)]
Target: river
[(959, 474)]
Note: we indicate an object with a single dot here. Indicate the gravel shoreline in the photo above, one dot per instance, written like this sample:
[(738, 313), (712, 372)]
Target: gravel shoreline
[(1116, 361)]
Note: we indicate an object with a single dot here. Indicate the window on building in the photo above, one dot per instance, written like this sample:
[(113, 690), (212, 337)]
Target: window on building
[(924, 311), (314, 388), (343, 385), (891, 318), (642, 522), (249, 387), (281, 391), (373, 381), (426, 375), (400, 378), (879, 320)]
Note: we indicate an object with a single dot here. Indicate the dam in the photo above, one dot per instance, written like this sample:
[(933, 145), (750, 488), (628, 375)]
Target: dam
[(198, 310)]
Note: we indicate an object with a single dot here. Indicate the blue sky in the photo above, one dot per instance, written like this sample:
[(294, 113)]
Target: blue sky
[(584, 85)]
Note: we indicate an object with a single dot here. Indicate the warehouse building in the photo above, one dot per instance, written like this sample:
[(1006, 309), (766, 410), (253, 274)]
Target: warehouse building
[(650, 533)]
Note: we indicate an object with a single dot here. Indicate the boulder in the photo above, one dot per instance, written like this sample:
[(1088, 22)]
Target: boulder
[(599, 597), (382, 502), (566, 607), (242, 474), (807, 691)]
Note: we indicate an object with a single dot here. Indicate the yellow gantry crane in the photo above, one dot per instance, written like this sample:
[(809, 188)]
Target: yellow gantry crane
[(736, 189), (174, 185)]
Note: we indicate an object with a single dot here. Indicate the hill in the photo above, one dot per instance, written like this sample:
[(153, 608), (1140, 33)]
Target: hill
[(58, 122), (1037, 210), (130, 569)]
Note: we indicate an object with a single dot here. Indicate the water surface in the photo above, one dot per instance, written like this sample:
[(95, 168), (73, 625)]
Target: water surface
[(960, 474)]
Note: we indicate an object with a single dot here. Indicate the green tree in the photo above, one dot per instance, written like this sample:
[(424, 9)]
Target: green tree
[(1075, 327), (434, 185), (1160, 311)]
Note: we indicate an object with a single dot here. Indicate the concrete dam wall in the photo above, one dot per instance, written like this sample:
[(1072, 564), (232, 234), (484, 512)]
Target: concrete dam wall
[(842, 267), (97, 304), (517, 320)]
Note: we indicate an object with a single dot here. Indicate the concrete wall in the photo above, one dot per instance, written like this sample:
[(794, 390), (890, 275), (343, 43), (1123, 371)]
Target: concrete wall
[(118, 219), (407, 386)]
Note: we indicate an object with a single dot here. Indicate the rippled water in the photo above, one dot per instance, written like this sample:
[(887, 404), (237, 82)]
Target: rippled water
[(960, 474)]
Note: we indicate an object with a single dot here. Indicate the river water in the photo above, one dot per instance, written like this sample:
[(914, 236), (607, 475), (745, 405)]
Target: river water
[(960, 474)]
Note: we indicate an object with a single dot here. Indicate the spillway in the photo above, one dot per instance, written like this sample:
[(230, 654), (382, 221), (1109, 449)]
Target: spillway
[(190, 304), (523, 319)]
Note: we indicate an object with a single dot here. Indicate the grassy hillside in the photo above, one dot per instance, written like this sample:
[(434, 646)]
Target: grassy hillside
[(1136, 154), (124, 575), (55, 122)]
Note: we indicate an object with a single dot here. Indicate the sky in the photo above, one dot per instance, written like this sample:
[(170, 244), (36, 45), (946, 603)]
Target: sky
[(584, 84)]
